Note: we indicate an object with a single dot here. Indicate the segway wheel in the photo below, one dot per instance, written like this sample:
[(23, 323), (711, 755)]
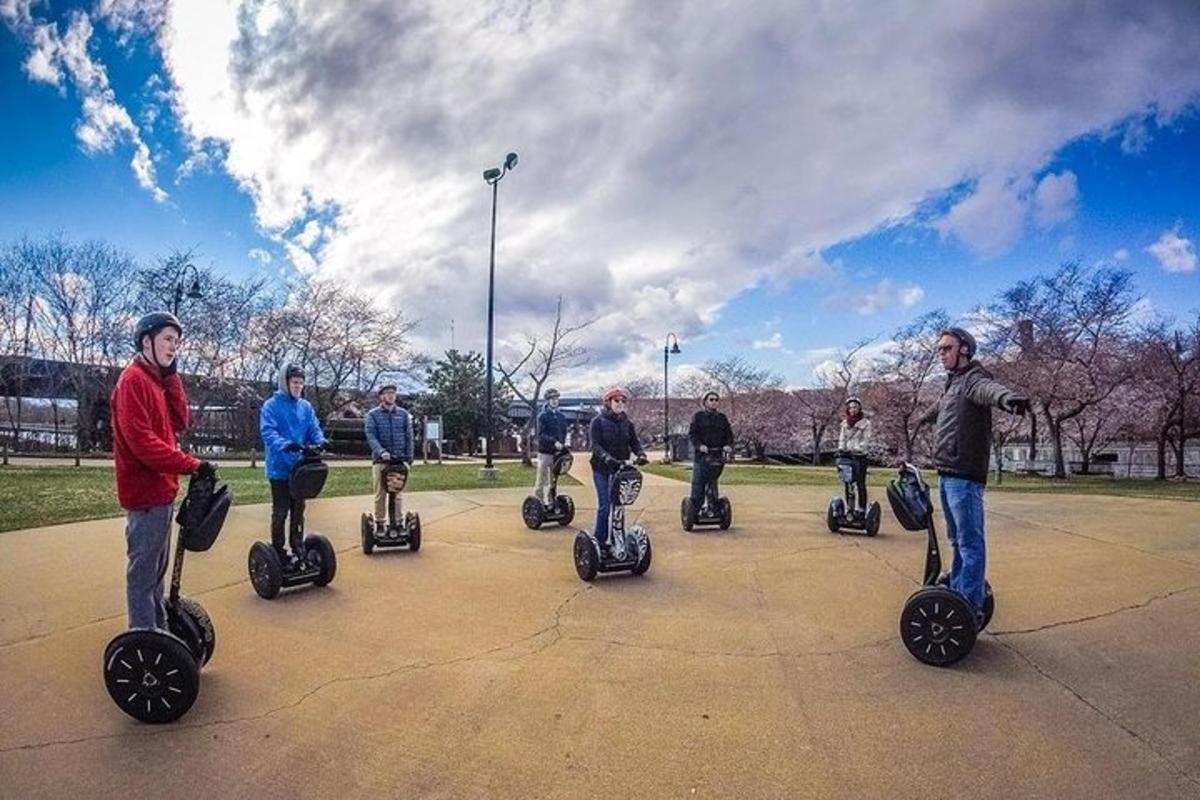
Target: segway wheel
[(414, 532), (989, 602), (937, 626), (266, 572), (566, 510), (318, 549), (874, 515), (835, 513), (151, 676), (368, 534), (726, 508), (644, 558), (531, 512), (587, 561), (198, 619), (989, 605), (687, 514)]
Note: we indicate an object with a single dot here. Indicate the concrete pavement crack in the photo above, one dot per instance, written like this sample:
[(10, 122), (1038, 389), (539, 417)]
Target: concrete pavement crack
[(553, 627), (1103, 714), (1069, 532), (1122, 609)]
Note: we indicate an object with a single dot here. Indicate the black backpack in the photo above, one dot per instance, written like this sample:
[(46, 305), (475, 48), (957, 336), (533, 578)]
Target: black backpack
[(909, 497), (202, 512)]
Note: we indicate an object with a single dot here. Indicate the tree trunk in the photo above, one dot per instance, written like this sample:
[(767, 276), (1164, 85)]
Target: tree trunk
[(1180, 451), (816, 437), (1060, 467), (1161, 473), (1033, 440), (999, 465), (526, 459)]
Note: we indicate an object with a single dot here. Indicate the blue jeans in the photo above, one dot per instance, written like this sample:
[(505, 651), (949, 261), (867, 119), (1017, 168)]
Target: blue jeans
[(147, 536), (962, 503), (700, 473), (601, 480)]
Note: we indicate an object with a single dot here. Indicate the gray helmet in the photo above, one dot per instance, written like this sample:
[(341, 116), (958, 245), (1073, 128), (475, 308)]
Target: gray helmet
[(551, 394), (151, 324), (963, 336)]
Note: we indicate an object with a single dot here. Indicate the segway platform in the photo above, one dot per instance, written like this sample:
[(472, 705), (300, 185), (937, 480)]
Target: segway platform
[(937, 625), (153, 675), (629, 549), (561, 508), (405, 532), (713, 510), (845, 513)]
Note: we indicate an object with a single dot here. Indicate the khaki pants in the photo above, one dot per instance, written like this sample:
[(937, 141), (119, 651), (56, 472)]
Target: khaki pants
[(380, 487), (541, 487)]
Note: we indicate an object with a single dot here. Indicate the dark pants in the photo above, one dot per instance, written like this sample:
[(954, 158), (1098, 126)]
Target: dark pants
[(282, 504), (700, 478)]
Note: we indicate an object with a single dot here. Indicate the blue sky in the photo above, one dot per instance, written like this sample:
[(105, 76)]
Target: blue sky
[(776, 185)]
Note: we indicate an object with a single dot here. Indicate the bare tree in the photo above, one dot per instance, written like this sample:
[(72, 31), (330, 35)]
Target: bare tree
[(1168, 359), (904, 377), (1067, 337), (18, 298), (734, 375), (545, 356)]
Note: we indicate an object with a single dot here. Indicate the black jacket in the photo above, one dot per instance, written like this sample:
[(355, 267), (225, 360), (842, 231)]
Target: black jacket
[(613, 440), (711, 429), (551, 428), (963, 435)]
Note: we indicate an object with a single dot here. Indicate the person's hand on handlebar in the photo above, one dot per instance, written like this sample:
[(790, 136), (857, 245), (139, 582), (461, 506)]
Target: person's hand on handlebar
[(558, 445), (703, 448), (293, 447), (207, 469), (384, 455), (1016, 404), (641, 459)]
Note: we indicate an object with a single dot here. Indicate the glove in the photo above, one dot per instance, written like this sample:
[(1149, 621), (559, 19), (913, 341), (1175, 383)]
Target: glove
[(641, 459), (703, 448), (384, 455), (1016, 404), (207, 469), (727, 448), (558, 445), (292, 447)]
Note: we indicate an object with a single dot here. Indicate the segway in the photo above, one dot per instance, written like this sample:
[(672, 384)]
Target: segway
[(847, 511), (561, 508), (628, 550), (404, 532), (153, 675), (317, 563), (938, 624), (713, 510)]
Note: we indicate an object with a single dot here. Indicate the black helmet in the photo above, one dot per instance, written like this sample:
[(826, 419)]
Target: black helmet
[(551, 394), (852, 399), (293, 371), (152, 324), (963, 336)]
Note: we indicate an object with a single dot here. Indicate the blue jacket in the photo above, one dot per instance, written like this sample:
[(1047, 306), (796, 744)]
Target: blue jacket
[(391, 431), (285, 420), (613, 437), (551, 428)]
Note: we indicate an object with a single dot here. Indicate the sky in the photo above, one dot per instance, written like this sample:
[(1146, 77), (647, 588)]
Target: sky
[(770, 179)]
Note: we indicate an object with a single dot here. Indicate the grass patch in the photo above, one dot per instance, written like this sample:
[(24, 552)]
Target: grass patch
[(877, 478), (31, 497)]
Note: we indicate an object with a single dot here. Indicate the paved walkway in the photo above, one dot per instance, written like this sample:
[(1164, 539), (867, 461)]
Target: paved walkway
[(761, 662)]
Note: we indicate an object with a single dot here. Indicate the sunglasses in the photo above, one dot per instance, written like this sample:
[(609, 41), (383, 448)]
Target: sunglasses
[(620, 400)]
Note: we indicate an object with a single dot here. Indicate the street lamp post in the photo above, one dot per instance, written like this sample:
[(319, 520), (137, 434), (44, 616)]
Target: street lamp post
[(669, 349), (492, 177), (193, 292)]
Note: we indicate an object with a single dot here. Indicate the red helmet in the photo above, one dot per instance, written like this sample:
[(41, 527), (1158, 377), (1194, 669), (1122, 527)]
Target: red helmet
[(616, 391)]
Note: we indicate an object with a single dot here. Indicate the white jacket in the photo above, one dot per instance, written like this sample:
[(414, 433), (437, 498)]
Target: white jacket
[(856, 439)]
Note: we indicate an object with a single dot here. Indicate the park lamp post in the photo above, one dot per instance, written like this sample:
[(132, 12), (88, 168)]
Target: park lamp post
[(492, 177), (669, 349), (193, 292)]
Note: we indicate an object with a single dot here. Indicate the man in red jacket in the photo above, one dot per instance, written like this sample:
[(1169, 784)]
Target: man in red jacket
[(148, 407)]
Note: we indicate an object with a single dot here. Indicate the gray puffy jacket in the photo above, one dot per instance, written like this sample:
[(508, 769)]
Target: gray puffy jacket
[(963, 435)]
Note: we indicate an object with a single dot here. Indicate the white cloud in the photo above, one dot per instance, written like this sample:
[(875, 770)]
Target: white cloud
[(1055, 199), (260, 255), (660, 176), (772, 342), (1174, 253), (867, 301), (1121, 255), (104, 122)]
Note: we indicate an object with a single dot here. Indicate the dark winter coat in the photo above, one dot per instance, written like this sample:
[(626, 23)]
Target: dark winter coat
[(614, 439), (711, 429), (390, 432), (963, 434), (551, 428)]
